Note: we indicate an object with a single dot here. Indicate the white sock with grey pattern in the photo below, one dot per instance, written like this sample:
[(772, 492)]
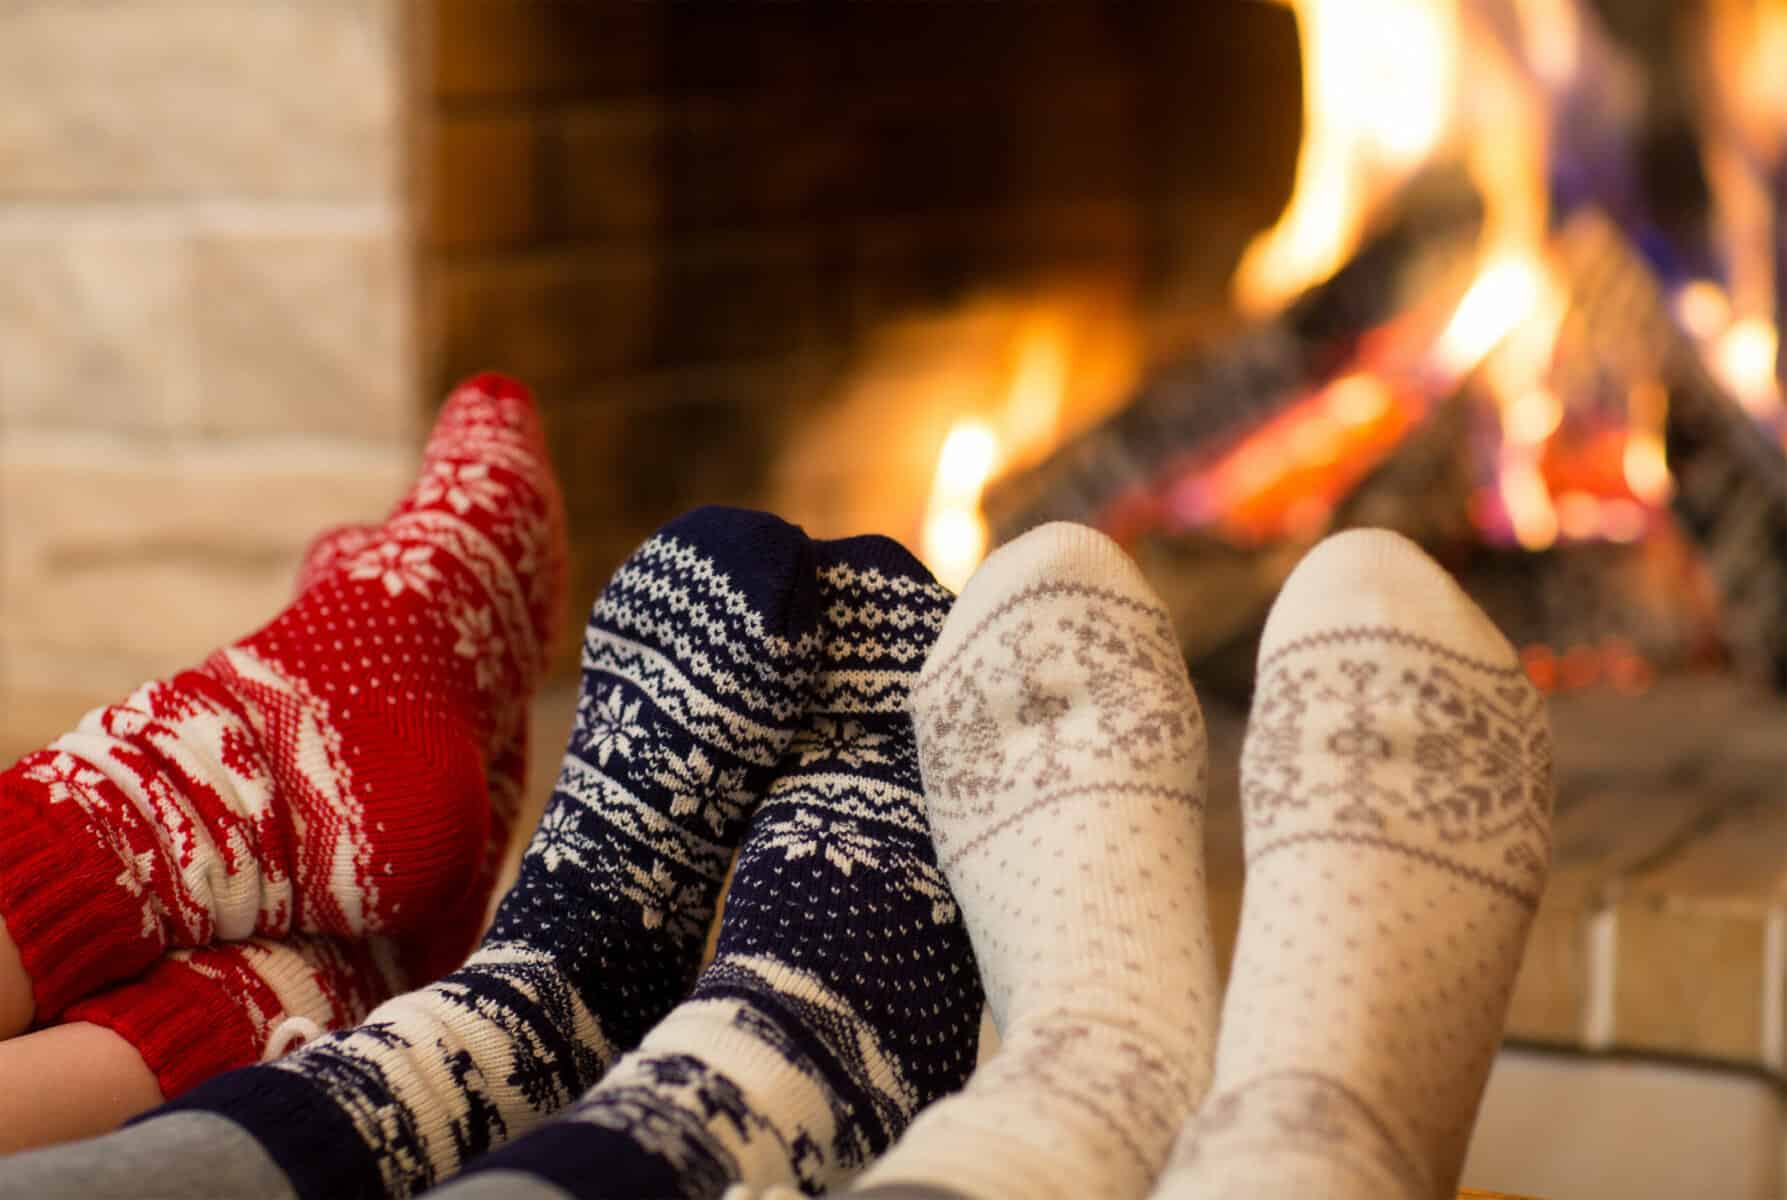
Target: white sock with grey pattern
[(1063, 758), (1396, 792)]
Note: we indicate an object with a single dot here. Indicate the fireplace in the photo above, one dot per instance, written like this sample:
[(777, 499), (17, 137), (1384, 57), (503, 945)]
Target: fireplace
[(942, 271)]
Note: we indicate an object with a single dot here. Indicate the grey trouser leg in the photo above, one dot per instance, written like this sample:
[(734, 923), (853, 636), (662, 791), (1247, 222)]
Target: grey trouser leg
[(183, 1156), (501, 1185)]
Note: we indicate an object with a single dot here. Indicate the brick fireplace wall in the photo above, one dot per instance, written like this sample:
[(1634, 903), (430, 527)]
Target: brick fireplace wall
[(762, 254), (750, 253), (206, 323)]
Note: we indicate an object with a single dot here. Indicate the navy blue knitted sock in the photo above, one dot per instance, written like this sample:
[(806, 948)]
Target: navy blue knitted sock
[(698, 663), (844, 995)]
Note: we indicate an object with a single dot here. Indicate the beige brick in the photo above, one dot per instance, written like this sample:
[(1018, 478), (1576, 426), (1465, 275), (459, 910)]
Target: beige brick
[(1690, 981), (121, 564), (93, 328), (293, 99), (303, 333), (552, 314)]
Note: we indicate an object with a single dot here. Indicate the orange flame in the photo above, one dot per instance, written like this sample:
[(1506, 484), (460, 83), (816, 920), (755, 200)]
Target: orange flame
[(1378, 90), (954, 536)]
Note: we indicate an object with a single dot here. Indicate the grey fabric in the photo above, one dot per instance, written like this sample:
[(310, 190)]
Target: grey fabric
[(184, 1156), (501, 1185), (907, 1191)]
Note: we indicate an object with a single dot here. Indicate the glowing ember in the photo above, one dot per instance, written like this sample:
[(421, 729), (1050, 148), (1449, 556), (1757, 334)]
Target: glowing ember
[(1744, 358)]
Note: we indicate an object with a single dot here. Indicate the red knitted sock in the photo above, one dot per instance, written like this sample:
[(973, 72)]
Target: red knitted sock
[(326, 774), (199, 1013)]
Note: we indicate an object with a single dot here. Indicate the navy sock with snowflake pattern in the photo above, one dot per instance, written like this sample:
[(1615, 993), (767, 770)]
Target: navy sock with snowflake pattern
[(698, 663), (843, 997)]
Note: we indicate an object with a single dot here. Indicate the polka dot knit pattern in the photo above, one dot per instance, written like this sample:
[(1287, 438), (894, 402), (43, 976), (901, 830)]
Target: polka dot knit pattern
[(843, 997), (326, 774), (1396, 792), (697, 666), (1064, 762)]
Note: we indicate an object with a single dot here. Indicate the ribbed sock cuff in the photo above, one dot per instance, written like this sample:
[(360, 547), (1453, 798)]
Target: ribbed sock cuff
[(76, 928), (314, 1142), (187, 1026)]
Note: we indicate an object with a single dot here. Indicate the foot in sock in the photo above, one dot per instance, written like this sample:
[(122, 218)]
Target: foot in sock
[(1063, 753), (1396, 792), (843, 997), (698, 661), (327, 773), (200, 1012)]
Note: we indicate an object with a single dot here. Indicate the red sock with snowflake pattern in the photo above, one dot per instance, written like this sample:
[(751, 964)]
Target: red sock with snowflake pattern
[(326, 774)]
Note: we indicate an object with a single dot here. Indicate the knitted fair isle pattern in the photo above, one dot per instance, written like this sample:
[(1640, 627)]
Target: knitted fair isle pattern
[(326, 774), (1064, 763), (843, 997), (697, 664), (1396, 796)]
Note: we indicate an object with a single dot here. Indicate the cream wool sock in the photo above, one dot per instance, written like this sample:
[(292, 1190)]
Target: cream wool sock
[(1063, 758), (1396, 791)]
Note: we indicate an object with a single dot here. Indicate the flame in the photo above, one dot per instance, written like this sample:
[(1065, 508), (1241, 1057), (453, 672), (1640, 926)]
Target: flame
[(954, 535), (1500, 298), (1744, 360), (1378, 89)]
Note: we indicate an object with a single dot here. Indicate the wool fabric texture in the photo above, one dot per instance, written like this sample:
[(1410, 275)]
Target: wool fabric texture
[(1064, 764), (1396, 795), (843, 997), (326, 774), (697, 664)]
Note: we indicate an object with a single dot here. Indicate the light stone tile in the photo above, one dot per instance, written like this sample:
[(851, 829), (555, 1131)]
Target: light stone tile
[(94, 328), (218, 99), (120, 565), (303, 333), (1689, 981)]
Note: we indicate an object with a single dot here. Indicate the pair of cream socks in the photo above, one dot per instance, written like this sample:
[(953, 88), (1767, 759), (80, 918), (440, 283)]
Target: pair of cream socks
[(1396, 795)]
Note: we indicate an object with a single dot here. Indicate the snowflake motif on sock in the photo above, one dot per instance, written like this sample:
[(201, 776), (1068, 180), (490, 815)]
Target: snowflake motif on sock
[(611, 723), (64, 777), (663, 904), (841, 741), (845, 844), (480, 642), (696, 788), (398, 567), (463, 486), (924, 879), (561, 840)]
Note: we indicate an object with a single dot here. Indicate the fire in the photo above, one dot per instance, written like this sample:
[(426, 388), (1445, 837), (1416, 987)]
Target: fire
[(955, 533), (1499, 299), (1377, 98), (954, 537)]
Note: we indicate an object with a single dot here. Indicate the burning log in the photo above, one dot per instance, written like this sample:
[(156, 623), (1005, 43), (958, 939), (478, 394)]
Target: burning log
[(1730, 477), (1198, 403)]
